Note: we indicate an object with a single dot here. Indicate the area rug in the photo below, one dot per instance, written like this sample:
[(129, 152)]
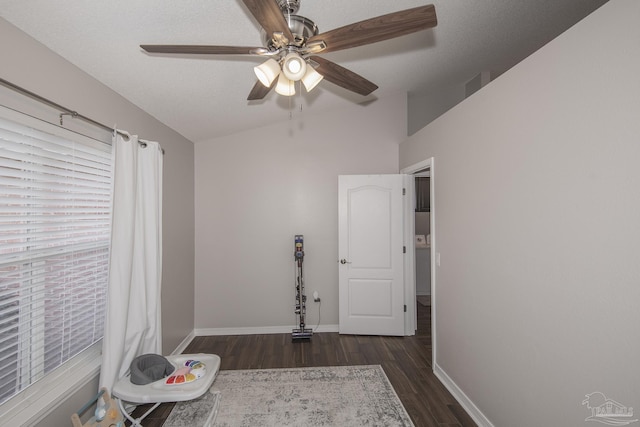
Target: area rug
[(200, 412), (327, 396)]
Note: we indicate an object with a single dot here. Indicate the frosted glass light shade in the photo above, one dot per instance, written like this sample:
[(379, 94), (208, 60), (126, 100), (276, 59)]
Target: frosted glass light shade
[(267, 72), (294, 66), (285, 87), (311, 78)]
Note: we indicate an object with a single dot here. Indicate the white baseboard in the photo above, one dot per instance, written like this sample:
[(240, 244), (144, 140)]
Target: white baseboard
[(185, 342), (257, 330), (462, 398)]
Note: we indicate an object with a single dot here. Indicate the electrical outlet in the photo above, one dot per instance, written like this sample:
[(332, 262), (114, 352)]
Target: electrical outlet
[(316, 297)]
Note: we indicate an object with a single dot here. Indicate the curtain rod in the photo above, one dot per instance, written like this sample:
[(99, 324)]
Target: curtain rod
[(64, 110)]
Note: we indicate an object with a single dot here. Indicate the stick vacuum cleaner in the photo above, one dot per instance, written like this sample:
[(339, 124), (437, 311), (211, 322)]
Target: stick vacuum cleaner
[(300, 333)]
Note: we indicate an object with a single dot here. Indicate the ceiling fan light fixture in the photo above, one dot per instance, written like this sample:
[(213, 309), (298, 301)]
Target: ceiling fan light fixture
[(294, 66), (267, 72), (311, 78), (285, 87)]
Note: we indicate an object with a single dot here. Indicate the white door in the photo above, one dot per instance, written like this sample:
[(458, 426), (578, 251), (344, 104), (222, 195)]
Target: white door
[(371, 288)]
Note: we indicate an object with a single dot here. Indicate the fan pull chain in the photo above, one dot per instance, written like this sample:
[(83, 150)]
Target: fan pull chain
[(300, 92), (290, 108), (290, 100)]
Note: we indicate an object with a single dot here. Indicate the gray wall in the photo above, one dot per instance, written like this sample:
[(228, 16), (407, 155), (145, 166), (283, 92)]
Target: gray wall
[(537, 209), (256, 189), (30, 65), (425, 107)]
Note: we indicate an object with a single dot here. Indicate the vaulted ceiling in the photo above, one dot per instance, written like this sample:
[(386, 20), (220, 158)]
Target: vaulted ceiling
[(205, 96)]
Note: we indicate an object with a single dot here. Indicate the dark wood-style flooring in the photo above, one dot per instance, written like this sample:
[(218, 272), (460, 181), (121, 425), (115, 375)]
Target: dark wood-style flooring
[(405, 360)]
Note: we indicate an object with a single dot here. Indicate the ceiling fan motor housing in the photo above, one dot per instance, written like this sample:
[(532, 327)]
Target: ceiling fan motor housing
[(302, 28), (289, 6)]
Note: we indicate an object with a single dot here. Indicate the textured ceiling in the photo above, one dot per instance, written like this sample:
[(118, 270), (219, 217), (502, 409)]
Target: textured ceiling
[(205, 97)]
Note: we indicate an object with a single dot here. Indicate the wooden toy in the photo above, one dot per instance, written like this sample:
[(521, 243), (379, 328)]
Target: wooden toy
[(107, 414)]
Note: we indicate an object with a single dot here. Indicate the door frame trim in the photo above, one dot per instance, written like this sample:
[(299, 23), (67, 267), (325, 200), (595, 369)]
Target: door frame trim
[(410, 272)]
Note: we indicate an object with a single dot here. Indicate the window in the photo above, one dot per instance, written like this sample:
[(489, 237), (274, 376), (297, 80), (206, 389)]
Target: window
[(55, 195)]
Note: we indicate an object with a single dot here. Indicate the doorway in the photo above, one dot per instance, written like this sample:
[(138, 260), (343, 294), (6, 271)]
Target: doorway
[(422, 251), (412, 226)]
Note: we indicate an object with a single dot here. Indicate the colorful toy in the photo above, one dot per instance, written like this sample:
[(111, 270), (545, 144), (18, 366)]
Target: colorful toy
[(191, 371)]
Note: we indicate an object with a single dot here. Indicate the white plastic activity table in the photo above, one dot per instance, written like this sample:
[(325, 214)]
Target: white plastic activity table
[(158, 392)]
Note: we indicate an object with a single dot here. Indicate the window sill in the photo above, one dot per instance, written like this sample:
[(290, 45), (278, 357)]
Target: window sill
[(37, 400)]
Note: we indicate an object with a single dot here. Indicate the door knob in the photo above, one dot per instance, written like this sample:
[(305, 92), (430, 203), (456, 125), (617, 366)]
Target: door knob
[(344, 261)]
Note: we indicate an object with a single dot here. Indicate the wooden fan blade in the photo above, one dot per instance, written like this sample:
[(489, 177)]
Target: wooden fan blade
[(269, 16), (259, 90), (201, 49), (342, 77), (377, 29)]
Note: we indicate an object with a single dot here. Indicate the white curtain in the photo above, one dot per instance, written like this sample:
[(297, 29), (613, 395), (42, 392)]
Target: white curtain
[(133, 324)]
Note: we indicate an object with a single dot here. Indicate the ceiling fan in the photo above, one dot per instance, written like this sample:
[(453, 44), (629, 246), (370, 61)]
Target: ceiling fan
[(292, 45)]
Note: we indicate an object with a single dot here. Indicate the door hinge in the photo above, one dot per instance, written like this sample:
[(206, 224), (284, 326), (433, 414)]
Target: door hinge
[(404, 191), (404, 249), (405, 308)]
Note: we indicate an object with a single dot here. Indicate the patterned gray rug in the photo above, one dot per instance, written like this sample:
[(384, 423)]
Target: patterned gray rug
[(327, 396)]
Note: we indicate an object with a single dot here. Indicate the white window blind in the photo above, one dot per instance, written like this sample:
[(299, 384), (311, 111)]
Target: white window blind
[(55, 195)]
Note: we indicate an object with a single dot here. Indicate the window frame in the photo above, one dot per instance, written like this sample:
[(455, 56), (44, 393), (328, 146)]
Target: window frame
[(32, 404)]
